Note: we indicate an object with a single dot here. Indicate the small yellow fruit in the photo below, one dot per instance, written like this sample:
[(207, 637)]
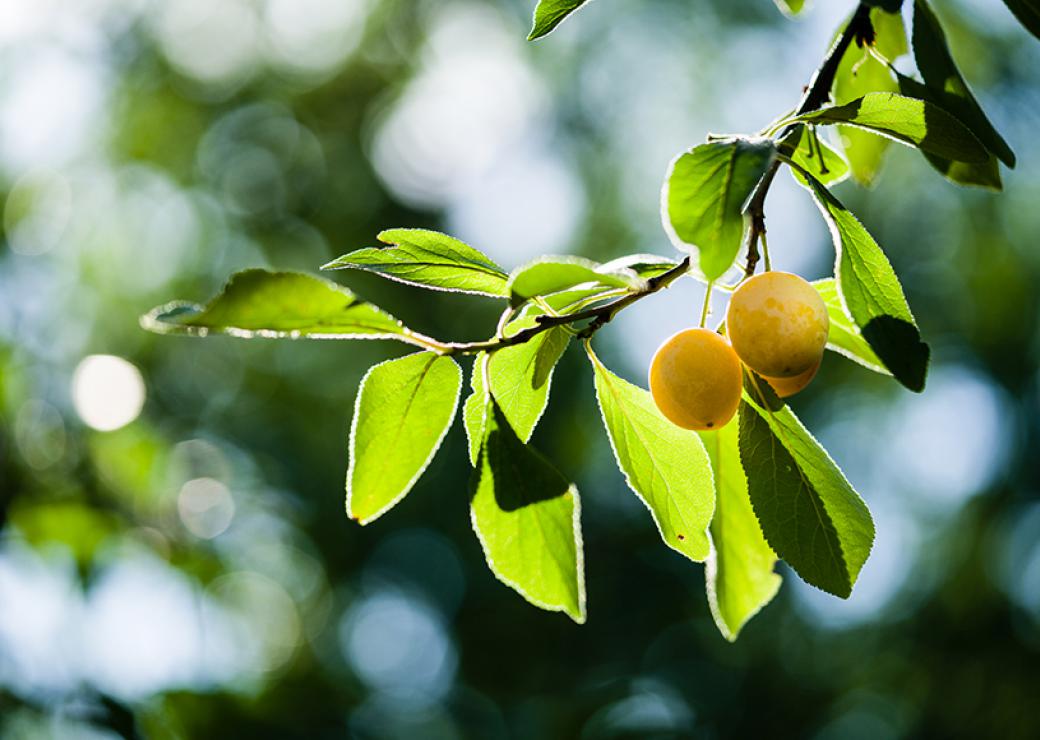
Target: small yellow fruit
[(695, 379), (778, 324), (787, 387)]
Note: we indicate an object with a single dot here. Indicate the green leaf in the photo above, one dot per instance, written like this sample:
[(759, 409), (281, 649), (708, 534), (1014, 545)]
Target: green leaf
[(645, 266), (403, 410), (258, 303), (844, 337), (809, 514), (860, 73), (914, 122), (554, 274), (527, 518), (548, 14), (889, 32), (948, 86), (666, 466), (790, 7), (981, 174), (1028, 14), (872, 295), (474, 410), (892, 6), (739, 574), (819, 157), (428, 259), (520, 376), (704, 194)]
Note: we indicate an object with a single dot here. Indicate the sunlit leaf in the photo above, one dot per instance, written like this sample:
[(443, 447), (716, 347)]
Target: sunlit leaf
[(428, 259), (844, 336), (664, 465), (520, 376), (810, 515), (553, 274), (819, 157), (739, 575), (527, 518), (704, 195), (403, 410), (474, 410), (914, 122), (872, 294), (548, 14), (790, 7), (258, 303)]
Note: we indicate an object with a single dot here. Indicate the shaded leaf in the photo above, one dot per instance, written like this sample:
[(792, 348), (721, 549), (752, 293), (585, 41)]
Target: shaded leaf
[(872, 295), (403, 410), (554, 274), (527, 518), (548, 14), (704, 194), (948, 87), (428, 259), (258, 303), (739, 574), (844, 336), (809, 514), (914, 122), (664, 465), (981, 174)]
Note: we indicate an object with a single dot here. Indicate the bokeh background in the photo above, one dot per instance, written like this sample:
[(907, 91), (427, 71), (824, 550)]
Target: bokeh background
[(175, 561)]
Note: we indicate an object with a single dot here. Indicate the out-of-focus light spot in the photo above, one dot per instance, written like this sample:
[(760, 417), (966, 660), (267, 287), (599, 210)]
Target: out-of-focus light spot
[(399, 646), (147, 629), (895, 549), (948, 444), (1019, 563), (49, 106), (205, 507), (267, 624), (473, 100), (108, 392), (39, 637), (214, 42), (654, 709), (528, 205), (37, 213), (313, 37), (39, 432), (421, 561)]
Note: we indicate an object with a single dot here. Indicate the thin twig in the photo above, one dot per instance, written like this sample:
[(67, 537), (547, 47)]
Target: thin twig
[(599, 315), (858, 29)]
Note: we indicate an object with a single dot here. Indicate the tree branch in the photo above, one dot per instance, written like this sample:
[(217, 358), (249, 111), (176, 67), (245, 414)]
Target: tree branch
[(858, 29), (600, 316)]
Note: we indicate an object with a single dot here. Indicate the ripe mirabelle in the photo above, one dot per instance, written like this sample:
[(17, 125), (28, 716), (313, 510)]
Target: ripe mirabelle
[(695, 379), (778, 324), (787, 387)]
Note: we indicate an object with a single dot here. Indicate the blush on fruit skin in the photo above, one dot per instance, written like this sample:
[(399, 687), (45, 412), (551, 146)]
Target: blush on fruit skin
[(695, 380), (787, 387), (778, 324)]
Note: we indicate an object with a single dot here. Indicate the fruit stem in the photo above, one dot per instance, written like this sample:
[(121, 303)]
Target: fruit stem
[(706, 308)]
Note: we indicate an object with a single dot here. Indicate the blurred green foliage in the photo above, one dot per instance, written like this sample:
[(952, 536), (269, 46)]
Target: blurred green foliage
[(192, 573)]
